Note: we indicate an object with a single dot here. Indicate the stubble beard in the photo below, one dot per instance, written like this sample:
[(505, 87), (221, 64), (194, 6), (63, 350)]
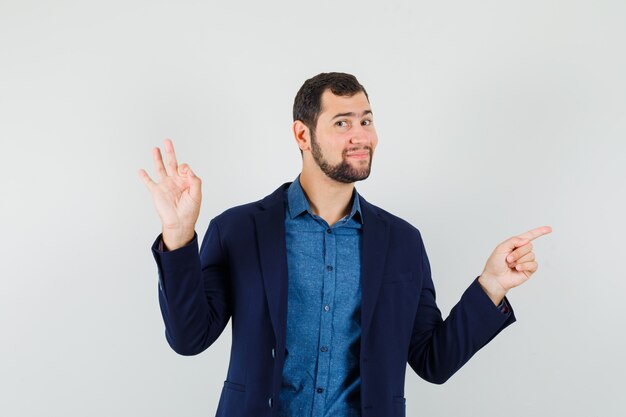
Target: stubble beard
[(343, 171)]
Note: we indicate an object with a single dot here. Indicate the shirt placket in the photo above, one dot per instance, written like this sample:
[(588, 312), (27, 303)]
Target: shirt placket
[(326, 320)]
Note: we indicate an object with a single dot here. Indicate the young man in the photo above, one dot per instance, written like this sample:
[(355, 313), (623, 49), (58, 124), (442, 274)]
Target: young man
[(330, 296)]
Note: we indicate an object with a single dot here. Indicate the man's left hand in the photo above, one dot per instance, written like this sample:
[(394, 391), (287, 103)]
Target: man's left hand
[(511, 263)]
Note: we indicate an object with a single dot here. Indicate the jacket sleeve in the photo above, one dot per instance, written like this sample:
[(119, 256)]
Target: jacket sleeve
[(193, 292), (440, 347)]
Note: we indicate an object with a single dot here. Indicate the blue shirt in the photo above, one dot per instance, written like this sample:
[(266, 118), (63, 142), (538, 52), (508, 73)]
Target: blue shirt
[(321, 372)]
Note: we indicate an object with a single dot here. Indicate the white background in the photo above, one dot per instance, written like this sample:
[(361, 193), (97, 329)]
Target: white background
[(494, 117)]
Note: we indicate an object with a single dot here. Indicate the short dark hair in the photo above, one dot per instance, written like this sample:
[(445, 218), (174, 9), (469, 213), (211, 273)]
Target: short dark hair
[(308, 102)]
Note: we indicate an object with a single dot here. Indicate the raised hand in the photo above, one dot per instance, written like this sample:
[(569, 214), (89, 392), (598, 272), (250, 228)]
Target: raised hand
[(511, 263), (177, 197)]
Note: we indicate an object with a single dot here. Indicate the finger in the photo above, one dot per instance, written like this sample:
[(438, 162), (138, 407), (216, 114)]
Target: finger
[(526, 258), (184, 170), (510, 244), (527, 267), (172, 164), (519, 252), (146, 179), (535, 233), (195, 190), (158, 163)]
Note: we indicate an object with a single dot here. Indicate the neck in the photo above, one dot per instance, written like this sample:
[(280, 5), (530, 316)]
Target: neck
[(329, 199)]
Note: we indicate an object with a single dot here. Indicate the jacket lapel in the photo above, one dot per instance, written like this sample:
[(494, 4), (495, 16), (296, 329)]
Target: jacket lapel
[(373, 253), (270, 228)]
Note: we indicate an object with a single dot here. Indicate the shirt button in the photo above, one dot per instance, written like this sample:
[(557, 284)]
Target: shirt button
[(329, 231), (326, 308), (320, 390), (329, 267), (324, 349)]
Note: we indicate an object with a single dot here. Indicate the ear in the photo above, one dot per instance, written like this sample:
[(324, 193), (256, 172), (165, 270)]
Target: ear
[(302, 135)]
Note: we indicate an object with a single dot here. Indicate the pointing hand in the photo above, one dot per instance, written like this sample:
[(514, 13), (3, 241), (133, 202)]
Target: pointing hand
[(511, 264)]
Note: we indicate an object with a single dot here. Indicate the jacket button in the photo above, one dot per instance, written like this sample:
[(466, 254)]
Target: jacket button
[(273, 353), (270, 402)]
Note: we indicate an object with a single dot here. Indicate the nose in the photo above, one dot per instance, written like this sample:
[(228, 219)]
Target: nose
[(359, 135)]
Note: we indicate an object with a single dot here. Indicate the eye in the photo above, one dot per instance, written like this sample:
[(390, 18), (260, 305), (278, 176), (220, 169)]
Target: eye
[(366, 122), (341, 123)]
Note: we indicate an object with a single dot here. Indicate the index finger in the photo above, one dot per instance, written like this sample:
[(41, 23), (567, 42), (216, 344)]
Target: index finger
[(535, 233), (171, 157)]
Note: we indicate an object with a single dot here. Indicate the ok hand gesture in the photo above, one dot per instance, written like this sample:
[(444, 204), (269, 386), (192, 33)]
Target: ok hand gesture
[(511, 263), (176, 196)]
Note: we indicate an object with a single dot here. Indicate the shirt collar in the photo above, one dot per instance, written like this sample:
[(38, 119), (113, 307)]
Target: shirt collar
[(298, 203)]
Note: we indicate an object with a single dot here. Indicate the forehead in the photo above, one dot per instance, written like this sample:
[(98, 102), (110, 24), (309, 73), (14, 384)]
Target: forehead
[(332, 104)]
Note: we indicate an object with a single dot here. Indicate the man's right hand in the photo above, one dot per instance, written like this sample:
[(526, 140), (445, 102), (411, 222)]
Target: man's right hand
[(177, 197)]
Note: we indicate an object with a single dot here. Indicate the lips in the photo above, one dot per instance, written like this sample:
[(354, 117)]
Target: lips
[(360, 155)]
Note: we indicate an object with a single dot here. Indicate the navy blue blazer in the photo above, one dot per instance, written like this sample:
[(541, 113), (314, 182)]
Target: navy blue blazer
[(241, 273)]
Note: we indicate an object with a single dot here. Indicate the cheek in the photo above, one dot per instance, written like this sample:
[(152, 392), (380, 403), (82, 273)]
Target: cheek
[(338, 146), (374, 141)]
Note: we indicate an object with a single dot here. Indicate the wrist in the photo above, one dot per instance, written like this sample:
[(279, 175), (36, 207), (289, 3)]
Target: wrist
[(492, 288), (175, 239)]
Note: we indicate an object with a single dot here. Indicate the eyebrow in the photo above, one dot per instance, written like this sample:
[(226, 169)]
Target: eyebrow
[(351, 114)]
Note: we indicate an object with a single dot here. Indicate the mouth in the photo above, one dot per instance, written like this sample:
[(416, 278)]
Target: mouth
[(358, 155)]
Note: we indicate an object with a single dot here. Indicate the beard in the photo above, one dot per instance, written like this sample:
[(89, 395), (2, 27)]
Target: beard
[(343, 171)]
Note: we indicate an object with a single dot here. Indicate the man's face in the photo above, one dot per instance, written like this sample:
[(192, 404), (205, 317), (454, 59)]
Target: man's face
[(345, 138)]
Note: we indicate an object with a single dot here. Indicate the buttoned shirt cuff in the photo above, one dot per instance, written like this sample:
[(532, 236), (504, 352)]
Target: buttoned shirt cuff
[(504, 307)]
